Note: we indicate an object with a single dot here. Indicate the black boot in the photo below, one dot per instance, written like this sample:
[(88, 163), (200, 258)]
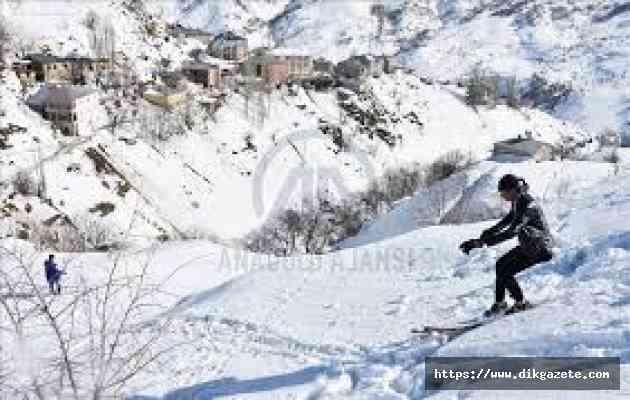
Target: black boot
[(519, 306), (496, 308)]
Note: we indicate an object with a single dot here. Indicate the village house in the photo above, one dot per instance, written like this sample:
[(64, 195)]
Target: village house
[(227, 69), (24, 71), (390, 66), (181, 32), (49, 68), (321, 66), (206, 74), (361, 67), (71, 109), (300, 65), (52, 69), (524, 147), (229, 46), (610, 138), (155, 26), (264, 66), (164, 95), (86, 70)]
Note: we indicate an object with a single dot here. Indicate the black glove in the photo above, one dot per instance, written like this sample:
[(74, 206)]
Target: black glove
[(470, 244)]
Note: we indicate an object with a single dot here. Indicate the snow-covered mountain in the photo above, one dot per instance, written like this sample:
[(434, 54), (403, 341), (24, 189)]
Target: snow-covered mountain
[(214, 166), (221, 322), (583, 42)]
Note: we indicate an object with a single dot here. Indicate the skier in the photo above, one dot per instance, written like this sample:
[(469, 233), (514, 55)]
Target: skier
[(53, 274), (525, 220)]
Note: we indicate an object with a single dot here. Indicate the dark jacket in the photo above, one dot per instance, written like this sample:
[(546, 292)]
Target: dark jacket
[(52, 272), (525, 220)]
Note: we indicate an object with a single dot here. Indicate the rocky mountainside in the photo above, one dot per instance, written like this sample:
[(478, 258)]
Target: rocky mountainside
[(581, 42)]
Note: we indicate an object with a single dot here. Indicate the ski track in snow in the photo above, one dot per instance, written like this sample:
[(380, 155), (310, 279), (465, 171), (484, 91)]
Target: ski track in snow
[(396, 369)]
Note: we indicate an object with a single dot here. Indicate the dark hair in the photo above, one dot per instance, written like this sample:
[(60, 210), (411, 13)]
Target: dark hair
[(51, 256), (510, 182)]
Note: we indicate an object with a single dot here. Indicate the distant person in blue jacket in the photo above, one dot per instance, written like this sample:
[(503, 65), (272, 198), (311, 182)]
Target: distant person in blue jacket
[(53, 274)]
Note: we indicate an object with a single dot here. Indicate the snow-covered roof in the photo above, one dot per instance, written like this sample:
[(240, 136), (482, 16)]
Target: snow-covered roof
[(215, 60), (290, 52), (165, 89), (190, 31), (221, 63), (199, 66), (520, 146), (42, 58), (59, 95), (229, 36)]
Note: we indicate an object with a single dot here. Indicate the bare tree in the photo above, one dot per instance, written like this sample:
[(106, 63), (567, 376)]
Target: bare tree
[(24, 183), (261, 110), (438, 201), (512, 93), (94, 338), (4, 40), (102, 35)]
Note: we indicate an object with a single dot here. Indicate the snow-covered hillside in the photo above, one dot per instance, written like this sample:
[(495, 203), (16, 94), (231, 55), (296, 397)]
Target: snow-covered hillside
[(458, 35), (470, 196), (583, 42), (205, 183), (337, 326), (171, 308)]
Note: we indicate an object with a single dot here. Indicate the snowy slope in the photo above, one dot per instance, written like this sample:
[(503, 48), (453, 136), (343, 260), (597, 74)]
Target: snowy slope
[(73, 193), (583, 42), (245, 17), (337, 326), (205, 183), (470, 196), (217, 172)]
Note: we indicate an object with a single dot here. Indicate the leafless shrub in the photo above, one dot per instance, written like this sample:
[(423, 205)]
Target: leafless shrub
[(201, 233), (481, 88), (96, 233), (312, 230), (318, 228), (542, 93), (4, 40), (102, 36), (159, 124), (401, 182), (612, 156), (445, 166), (91, 20), (438, 201), (373, 198), (512, 95), (83, 233), (24, 184), (93, 339)]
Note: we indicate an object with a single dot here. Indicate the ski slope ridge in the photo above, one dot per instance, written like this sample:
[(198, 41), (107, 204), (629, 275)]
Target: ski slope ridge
[(341, 331)]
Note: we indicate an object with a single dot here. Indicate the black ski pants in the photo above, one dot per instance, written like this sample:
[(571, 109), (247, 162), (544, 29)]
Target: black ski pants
[(511, 263)]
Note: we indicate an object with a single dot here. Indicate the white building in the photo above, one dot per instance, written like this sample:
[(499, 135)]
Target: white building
[(72, 109)]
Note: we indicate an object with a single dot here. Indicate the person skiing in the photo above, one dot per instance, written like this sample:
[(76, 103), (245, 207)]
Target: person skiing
[(526, 221), (53, 274)]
